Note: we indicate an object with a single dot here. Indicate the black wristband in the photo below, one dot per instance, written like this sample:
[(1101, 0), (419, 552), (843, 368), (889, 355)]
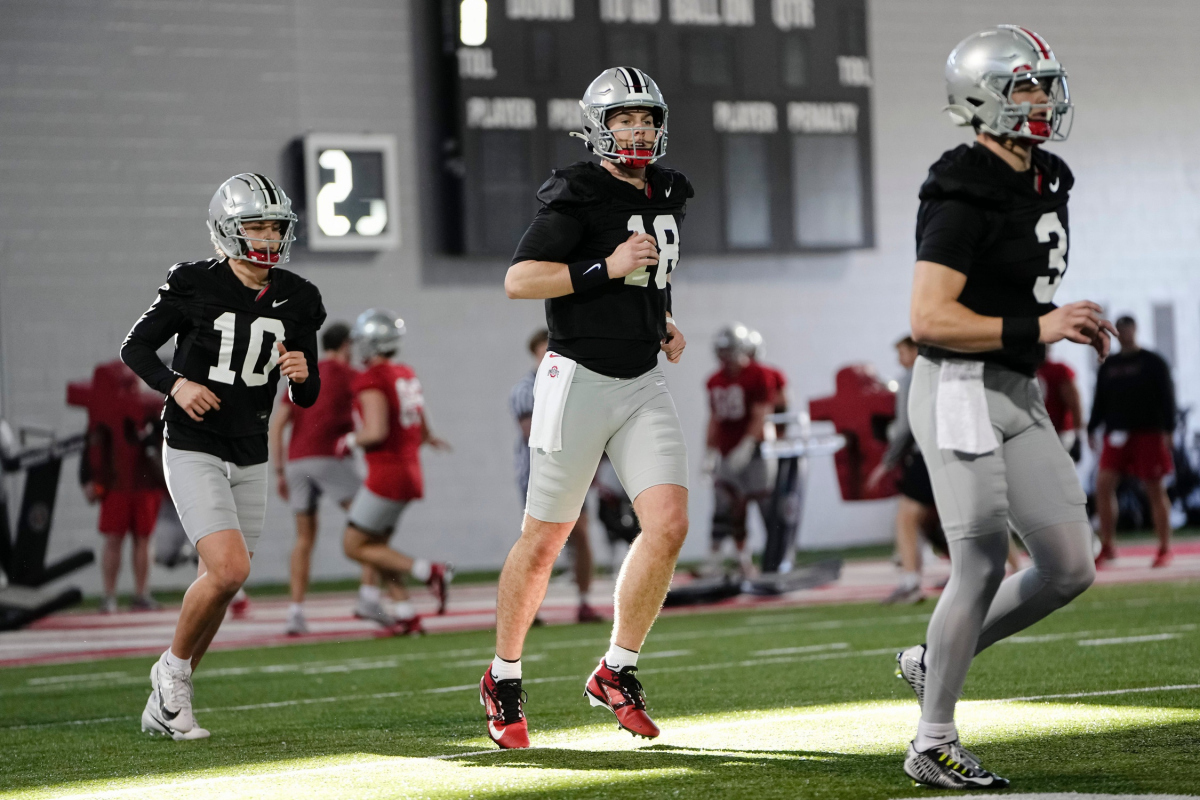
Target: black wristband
[(1020, 333), (668, 304), (588, 274)]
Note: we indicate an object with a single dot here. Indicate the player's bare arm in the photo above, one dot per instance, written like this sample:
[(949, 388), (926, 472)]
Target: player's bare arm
[(937, 318), (280, 420), (374, 428), (541, 280)]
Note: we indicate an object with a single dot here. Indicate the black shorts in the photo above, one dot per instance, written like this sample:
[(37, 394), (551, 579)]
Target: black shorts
[(914, 480)]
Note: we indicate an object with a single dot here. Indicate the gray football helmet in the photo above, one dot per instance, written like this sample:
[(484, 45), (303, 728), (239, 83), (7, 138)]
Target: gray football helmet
[(733, 342), (982, 71), (377, 332), (250, 197), (623, 87), (754, 344)]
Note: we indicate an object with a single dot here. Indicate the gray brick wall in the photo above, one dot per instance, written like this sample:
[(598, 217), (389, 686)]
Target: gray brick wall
[(118, 118)]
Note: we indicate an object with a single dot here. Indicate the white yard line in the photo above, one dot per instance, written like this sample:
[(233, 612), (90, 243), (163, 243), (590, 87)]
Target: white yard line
[(1153, 637)]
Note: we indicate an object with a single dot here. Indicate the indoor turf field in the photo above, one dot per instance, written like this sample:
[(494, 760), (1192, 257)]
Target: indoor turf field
[(1103, 696)]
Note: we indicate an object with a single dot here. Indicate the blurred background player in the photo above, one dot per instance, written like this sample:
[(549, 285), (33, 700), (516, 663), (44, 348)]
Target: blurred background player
[(781, 514), (235, 319), (521, 405), (1135, 404), (391, 410), (313, 470), (740, 397), (915, 512), (1063, 404), (121, 470)]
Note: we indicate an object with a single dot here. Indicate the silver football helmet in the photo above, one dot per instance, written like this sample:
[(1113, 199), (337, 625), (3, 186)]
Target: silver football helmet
[(754, 344), (733, 342), (250, 197), (982, 71), (377, 332), (623, 87)]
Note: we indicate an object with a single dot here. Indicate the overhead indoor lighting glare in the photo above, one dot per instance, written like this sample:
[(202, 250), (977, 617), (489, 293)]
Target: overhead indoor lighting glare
[(472, 22)]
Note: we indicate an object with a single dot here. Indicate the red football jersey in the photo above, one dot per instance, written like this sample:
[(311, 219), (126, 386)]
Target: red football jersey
[(777, 381), (730, 399), (394, 466), (315, 430), (1052, 375)]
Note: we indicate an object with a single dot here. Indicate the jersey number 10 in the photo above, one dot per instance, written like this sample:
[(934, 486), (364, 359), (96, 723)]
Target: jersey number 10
[(666, 232), (227, 325)]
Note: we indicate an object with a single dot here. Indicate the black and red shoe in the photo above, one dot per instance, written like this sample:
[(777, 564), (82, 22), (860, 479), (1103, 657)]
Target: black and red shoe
[(440, 576), (504, 704), (621, 693)]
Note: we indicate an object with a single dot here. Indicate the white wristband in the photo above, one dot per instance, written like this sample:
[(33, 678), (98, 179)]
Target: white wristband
[(178, 385)]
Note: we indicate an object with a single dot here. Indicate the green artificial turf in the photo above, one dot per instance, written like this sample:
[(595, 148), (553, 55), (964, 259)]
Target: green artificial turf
[(755, 704)]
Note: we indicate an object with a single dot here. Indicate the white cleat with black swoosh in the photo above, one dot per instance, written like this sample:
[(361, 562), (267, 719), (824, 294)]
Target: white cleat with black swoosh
[(169, 708)]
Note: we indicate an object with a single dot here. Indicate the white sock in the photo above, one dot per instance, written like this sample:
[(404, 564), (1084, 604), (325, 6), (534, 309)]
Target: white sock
[(931, 734), (506, 670), (403, 609), (368, 593), (910, 580), (296, 610), (618, 658), (176, 663), (422, 568)]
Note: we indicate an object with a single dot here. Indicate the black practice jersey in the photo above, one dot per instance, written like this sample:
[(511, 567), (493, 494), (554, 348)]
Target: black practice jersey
[(1005, 230), (225, 339), (586, 213)]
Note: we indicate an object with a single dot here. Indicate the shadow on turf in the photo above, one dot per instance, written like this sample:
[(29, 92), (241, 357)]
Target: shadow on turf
[(1161, 758)]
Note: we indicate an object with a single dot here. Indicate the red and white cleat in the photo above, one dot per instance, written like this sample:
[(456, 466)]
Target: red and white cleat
[(239, 607), (406, 627), (504, 704), (621, 693), (1106, 555), (440, 576), (1165, 556)]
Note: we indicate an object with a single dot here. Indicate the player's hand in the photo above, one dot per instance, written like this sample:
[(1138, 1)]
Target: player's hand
[(438, 444), (93, 491), (674, 343), (345, 445), (1077, 322), (284, 492), (195, 399), (634, 253), (292, 364)]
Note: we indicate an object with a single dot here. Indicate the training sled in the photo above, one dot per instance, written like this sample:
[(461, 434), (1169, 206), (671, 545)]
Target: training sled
[(23, 559), (722, 587)]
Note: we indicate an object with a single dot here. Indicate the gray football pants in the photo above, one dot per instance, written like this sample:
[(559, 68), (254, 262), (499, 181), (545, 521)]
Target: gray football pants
[(1028, 483)]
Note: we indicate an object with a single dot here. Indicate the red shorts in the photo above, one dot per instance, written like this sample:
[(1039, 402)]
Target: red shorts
[(396, 480), (1143, 454), (130, 511)]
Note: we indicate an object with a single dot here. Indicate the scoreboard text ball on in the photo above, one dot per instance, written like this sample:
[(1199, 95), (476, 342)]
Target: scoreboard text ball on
[(350, 192), (769, 112)]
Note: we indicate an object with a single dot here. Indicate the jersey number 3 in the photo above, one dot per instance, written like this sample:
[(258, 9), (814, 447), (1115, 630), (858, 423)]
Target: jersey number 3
[(226, 324), (666, 232), (1046, 285)]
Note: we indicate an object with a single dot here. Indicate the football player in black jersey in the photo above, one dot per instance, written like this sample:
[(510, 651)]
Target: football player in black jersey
[(600, 252), (991, 251), (239, 322)]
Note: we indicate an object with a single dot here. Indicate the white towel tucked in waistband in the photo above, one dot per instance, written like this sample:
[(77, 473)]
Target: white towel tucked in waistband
[(963, 422), (550, 389)]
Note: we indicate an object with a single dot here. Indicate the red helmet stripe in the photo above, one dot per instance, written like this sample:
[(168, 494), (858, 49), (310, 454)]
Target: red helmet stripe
[(1038, 42)]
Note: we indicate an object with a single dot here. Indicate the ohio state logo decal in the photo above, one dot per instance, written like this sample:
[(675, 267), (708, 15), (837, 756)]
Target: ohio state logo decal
[(553, 373)]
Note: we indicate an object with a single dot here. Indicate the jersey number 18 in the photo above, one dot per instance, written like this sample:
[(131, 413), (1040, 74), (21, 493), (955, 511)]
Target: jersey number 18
[(666, 233)]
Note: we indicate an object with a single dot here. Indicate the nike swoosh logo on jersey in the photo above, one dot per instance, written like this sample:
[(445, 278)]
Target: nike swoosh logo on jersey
[(1054, 185), (668, 192), (278, 303), (592, 267)]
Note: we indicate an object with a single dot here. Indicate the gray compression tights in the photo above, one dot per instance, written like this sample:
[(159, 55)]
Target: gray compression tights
[(979, 606)]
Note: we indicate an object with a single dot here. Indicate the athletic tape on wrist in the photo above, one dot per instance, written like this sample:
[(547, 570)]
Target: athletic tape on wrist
[(588, 274), (1020, 333)]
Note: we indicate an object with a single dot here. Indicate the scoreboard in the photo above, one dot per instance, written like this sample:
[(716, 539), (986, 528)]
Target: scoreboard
[(769, 113)]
